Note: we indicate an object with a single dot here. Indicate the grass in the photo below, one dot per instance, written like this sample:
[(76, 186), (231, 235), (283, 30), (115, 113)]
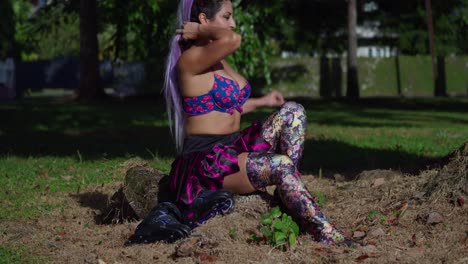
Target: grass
[(51, 147), (48, 148), (27, 182), (377, 76), (402, 134), (16, 255)]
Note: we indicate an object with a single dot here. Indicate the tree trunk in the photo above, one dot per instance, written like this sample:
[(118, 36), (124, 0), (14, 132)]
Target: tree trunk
[(398, 73), (439, 87), (8, 45), (89, 87), (336, 77), (441, 84), (352, 91), (325, 80)]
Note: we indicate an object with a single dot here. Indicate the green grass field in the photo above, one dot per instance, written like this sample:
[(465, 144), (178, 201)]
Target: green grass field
[(377, 76), (64, 147)]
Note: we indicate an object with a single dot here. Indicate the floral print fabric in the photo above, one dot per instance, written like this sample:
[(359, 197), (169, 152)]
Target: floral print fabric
[(225, 96)]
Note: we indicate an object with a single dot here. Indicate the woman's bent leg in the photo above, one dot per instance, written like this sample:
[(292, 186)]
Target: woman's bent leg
[(285, 129), (238, 182), (265, 169)]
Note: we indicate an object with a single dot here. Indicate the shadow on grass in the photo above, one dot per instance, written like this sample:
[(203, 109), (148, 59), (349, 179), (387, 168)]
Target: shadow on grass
[(452, 104), (142, 141), (372, 112), (93, 200), (108, 210), (88, 131), (139, 128), (337, 157)]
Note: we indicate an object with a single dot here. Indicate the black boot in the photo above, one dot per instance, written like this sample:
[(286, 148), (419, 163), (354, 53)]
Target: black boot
[(207, 205), (163, 223)]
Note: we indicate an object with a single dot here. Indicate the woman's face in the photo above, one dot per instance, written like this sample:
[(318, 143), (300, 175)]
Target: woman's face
[(224, 17)]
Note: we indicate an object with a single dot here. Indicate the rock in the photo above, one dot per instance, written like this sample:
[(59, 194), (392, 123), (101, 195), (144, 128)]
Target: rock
[(419, 195), (118, 210), (434, 218), (371, 175), (378, 182), (416, 252), (359, 234), (187, 247), (369, 249), (377, 233), (339, 177), (141, 187)]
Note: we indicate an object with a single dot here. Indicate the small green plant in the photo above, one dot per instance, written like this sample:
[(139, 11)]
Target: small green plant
[(372, 215), (278, 229), (233, 232), (320, 197), (383, 219)]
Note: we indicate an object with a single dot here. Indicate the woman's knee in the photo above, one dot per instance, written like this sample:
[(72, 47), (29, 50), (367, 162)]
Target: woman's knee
[(293, 106), (264, 169), (282, 164), (266, 163), (294, 110)]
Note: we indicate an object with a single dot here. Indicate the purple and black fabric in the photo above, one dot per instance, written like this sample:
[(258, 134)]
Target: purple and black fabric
[(207, 159)]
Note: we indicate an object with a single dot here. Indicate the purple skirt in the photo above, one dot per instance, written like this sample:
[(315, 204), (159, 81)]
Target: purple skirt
[(207, 159)]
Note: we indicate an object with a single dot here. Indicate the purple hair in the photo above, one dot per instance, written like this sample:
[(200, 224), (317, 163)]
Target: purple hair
[(171, 87)]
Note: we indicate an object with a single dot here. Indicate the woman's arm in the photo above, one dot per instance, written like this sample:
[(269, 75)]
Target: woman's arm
[(220, 43), (271, 99)]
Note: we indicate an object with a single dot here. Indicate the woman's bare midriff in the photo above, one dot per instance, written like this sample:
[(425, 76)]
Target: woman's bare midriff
[(213, 123)]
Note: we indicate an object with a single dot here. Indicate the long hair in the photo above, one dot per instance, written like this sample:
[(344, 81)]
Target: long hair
[(171, 87), (187, 11)]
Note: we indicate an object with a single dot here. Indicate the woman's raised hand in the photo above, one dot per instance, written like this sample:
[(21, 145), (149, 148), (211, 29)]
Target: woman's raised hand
[(189, 31)]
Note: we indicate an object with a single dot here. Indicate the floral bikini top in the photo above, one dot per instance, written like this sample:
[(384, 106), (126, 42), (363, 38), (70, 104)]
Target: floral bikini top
[(225, 96)]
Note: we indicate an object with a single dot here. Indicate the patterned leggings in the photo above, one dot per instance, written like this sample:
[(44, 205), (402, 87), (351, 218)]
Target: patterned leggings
[(285, 131)]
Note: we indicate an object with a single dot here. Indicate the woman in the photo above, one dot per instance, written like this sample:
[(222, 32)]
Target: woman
[(205, 99)]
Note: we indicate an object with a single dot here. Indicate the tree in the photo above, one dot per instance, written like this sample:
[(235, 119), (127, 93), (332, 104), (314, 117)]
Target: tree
[(317, 27), (352, 91), (7, 30), (439, 87), (259, 37), (437, 28), (408, 20), (89, 87)]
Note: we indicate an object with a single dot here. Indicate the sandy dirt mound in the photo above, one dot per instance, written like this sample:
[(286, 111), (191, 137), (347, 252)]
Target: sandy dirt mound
[(402, 218)]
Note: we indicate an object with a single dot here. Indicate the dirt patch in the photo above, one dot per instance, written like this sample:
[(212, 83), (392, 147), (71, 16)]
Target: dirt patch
[(402, 218), (450, 177)]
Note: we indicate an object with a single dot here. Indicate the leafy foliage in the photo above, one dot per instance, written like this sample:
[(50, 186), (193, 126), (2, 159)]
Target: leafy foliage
[(319, 26), (278, 229), (253, 20), (132, 30), (408, 20)]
